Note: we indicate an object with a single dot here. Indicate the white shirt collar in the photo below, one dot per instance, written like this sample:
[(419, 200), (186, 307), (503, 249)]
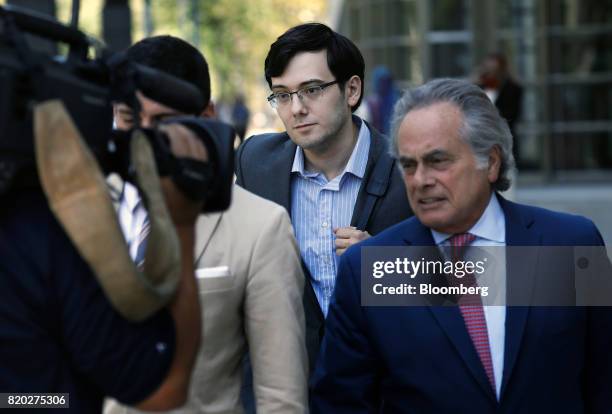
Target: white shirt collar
[(490, 226)]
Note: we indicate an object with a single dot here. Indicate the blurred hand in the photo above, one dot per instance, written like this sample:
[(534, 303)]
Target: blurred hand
[(347, 236), (183, 143)]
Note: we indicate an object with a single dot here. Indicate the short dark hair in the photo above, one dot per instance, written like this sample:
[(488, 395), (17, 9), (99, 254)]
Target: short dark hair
[(343, 57), (176, 57)]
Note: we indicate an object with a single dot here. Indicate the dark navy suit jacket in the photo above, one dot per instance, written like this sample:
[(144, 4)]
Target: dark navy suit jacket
[(263, 166), (421, 359)]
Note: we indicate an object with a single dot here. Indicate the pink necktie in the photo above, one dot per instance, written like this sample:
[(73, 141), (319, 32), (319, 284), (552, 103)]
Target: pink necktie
[(471, 307)]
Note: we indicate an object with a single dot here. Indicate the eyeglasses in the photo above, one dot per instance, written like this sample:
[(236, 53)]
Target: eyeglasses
[(305, 94)]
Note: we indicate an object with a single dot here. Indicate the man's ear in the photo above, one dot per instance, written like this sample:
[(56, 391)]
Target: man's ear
[(352, 89), (495, 160), (210, 111)]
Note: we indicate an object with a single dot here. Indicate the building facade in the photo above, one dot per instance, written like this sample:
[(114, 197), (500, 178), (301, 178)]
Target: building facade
[(559, 50)]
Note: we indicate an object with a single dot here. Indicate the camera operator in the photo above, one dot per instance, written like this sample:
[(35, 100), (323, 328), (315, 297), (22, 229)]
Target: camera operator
[(58, 331)]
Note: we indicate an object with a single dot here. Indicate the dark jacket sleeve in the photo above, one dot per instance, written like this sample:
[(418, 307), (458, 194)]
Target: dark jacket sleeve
[(125, 360), (344, 380), (239, 168)]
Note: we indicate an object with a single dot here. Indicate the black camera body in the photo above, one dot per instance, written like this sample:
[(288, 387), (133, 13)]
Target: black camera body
[(88, 87)]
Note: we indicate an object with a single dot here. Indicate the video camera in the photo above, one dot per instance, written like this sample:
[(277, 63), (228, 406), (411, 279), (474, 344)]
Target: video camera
[(88, 87)]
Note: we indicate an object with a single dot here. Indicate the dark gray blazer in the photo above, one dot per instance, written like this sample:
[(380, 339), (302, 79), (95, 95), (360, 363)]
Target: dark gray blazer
[(263, 166)]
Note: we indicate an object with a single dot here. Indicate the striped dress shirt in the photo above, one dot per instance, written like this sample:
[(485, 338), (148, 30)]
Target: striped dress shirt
[(132, 217), (318, 206)]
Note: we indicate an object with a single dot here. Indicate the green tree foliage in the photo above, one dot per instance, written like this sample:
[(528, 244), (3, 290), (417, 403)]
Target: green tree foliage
[(234, 35)]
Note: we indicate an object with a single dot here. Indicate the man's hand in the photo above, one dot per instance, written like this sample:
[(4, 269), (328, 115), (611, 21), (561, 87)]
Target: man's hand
[(347, 236), (183, 143)]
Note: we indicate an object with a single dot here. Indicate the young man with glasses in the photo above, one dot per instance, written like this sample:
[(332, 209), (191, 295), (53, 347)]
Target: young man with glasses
[(330, 170)]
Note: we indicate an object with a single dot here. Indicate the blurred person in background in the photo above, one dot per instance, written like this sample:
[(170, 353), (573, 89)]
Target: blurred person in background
[(240, 116), (494, 78), (380, 102)]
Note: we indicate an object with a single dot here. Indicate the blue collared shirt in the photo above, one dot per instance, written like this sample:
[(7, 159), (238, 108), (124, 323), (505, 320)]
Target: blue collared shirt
[(318, 206)]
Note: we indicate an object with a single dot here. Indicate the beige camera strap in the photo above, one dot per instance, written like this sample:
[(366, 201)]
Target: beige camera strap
[(78, 196)]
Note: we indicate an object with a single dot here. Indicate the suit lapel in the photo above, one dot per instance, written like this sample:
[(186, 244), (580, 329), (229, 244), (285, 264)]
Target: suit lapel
[(520, 278), (206, 225), (278, 187), (278, 190), (375, 180), (451, 321)]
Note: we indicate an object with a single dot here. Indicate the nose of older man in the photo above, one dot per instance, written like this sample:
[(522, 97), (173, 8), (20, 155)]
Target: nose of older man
[(422, 178)]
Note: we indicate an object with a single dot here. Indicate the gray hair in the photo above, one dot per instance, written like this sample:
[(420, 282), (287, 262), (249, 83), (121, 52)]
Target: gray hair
[(483, 128)]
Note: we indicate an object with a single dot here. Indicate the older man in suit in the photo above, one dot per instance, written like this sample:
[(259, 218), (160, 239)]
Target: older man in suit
[(330, 170), (248, 269), (455, 152)]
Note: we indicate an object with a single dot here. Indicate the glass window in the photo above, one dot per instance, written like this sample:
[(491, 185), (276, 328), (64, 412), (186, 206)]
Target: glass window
[(367, 56), (378, 57), (448, 14), (510, 13), (572, 151), (580, 102), (450, 59), (400, 62), (376, 19), (519, 61), (402, 17), (578, 12), (580, 54), (530, 154), (354, 23)]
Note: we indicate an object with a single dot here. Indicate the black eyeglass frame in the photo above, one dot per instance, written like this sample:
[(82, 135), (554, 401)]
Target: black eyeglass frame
[(322, 86)]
